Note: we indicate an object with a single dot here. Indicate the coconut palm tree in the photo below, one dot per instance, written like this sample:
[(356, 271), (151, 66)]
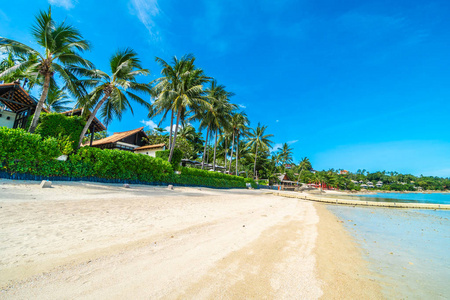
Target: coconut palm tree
[(305, 164), (285, 155), (180, 89), (112, 92), (239, 124), (57, 100), (258, 139), (61, 45), (213, 117)]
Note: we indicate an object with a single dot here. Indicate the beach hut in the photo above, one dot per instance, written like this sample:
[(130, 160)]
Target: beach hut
[(126, 140), (16, 106)]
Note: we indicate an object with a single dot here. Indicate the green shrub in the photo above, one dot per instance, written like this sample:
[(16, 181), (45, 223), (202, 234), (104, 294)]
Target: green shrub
[(176, 157), (66, 129), (24, 152)]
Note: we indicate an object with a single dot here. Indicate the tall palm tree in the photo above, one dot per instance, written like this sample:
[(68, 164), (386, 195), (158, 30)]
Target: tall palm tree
[(111, 92), (61, 45), (212, 116), (180, 89), (285, 155), (239, 124), (305, 164), (258, 139)]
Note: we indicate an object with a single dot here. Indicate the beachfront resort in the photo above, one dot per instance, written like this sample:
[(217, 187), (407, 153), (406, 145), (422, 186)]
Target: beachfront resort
[(189, 196)]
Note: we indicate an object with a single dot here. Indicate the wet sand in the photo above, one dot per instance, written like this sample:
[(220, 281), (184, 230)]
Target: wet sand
[(81, 240)]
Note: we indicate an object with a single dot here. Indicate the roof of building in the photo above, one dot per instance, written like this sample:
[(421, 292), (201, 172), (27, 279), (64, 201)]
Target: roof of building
[(16, 98), (117, 136), (150, 147), (77, 112), (282, 177)]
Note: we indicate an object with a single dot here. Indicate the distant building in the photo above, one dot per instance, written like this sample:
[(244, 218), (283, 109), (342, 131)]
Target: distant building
[(343, 172), (379, 184), (150, 150)]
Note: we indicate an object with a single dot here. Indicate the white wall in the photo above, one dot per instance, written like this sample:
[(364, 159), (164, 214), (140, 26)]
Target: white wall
[(4, 118), (149, 152)]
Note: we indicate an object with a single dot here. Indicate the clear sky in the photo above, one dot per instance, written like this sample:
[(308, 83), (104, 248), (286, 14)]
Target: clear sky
[(349, 84)]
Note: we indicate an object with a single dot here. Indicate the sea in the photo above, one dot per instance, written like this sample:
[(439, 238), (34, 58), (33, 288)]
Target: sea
[(408, 250)]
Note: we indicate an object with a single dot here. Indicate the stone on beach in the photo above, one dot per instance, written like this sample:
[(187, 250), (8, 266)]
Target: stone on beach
[(46, 184)]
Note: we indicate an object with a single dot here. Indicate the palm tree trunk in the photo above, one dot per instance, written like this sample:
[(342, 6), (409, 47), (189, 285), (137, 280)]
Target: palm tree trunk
[(175, 135), (231, 157), (254, 167), (204, 150), (226, 152), (40, 104), (91, 117), (215, 146), (237, 152), (170, 135)]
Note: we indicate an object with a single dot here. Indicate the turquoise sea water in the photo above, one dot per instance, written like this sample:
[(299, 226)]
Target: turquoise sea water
[(438, 198), (408, 250)]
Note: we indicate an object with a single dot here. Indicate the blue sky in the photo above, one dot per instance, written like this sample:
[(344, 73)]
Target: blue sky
[(349, 84)]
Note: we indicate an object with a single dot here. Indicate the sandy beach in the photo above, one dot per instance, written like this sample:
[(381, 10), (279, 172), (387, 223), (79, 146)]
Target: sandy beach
[(96, 241)]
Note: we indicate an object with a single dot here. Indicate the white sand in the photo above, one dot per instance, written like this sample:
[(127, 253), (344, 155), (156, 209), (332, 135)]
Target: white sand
[(82, 240)]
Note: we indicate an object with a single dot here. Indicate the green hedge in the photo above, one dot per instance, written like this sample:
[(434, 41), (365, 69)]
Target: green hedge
[(67, 129), (176, 157), (25, 153)]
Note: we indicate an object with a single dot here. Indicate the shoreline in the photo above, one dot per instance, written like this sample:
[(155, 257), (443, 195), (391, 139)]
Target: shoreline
[(102, 240), (340, 262)]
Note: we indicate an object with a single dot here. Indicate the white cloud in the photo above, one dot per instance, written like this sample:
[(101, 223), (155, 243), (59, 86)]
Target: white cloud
[(276, 146), (292, 142), (149, 123), (242, 106), (146, 11), (167, 128), (67, 4)]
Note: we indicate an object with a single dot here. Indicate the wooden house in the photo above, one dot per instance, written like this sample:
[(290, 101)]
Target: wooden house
[(126, 140), (16, 106)]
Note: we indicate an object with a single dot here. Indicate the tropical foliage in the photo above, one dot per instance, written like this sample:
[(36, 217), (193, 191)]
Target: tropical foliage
[(61, 44)]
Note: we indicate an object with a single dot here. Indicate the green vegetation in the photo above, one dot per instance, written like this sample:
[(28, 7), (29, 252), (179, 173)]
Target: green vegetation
[(61, 47), (176, 158), (184, 92), (66, 129), (28, 156)]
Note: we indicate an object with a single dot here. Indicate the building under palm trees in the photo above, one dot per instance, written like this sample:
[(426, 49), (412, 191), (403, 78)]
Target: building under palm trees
[(16, 106), (131, 140), (95, 126)]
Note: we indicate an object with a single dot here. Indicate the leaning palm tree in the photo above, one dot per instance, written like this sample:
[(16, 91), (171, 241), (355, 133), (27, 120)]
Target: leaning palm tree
[(112, 92), (258, 139), (61, 45)]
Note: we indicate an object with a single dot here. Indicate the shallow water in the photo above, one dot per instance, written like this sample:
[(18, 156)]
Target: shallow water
[(437, 198), (409, 250)]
